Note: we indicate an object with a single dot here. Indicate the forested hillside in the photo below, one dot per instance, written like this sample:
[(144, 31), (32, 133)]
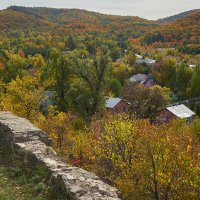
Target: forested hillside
[(82, 20), (11, 20), (184, 31), (181, 29), (37, 30), (63, 16), (176, 17)]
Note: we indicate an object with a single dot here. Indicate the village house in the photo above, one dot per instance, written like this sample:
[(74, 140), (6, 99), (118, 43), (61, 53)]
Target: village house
[(192, 66), (149, 83), (138, 78), (148, 62), (138, 56), (116, 105), (146, 80), (142, 61), (171, 113)]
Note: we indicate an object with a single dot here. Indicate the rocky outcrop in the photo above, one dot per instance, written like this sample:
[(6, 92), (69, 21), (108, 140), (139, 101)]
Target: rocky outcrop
[(19, 136)]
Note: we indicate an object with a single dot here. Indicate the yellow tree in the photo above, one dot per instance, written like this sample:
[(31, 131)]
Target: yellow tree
[(37, 60), (2, 88), (148, 162), (23, 97), (69, 136)]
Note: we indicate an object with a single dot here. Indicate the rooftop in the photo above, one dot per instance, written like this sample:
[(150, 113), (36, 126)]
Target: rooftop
[(112, 102), (138, 78), (146, 61), (181, 111), (149, 83), (138, 56)]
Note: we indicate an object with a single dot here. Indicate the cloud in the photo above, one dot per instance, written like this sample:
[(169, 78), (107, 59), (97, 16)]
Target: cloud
[(150, 9)]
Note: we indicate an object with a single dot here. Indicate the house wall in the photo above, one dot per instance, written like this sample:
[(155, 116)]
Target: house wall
[(191, 119), (121, 107), (164, 116)]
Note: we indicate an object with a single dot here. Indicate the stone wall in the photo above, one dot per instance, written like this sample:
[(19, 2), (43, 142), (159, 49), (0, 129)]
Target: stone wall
[(19, 136)]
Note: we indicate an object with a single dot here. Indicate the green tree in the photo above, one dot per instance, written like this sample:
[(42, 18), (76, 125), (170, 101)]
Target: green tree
[(14, 67), (130, 58), (183, 76), (145, 101), (121, 72), (116, 87), (165, 73), (70, 43), (115, 53), (58, 73), (91, 79), (195, 81)]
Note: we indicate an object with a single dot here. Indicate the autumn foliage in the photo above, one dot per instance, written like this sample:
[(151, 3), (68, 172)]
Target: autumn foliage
[(143, 161), (57, 66)]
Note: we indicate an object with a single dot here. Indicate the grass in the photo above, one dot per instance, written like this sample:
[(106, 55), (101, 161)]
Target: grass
[(21, 182)]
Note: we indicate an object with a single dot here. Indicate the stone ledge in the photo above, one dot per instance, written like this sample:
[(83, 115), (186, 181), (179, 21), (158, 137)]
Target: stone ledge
[(35, 146)]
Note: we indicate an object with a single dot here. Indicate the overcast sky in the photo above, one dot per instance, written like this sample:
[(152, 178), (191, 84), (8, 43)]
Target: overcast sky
[(149, 9)]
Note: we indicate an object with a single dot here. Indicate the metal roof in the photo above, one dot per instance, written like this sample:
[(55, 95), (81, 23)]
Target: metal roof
[(150, 61), (138, 56), (146, 61), (112, 102), (181, 111), (132, 79), (149, 83), (138, 78)]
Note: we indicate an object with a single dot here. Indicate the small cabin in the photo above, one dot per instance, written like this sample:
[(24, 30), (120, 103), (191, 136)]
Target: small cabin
[(143, 79), (116, 105), (138, 78), (171, 113), (148, 62)]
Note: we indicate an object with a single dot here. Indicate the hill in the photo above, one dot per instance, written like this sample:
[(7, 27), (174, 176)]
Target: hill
[(184, 31), (177, 30), (82, 20), (11, 20), (176, 17), (66, 16)]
